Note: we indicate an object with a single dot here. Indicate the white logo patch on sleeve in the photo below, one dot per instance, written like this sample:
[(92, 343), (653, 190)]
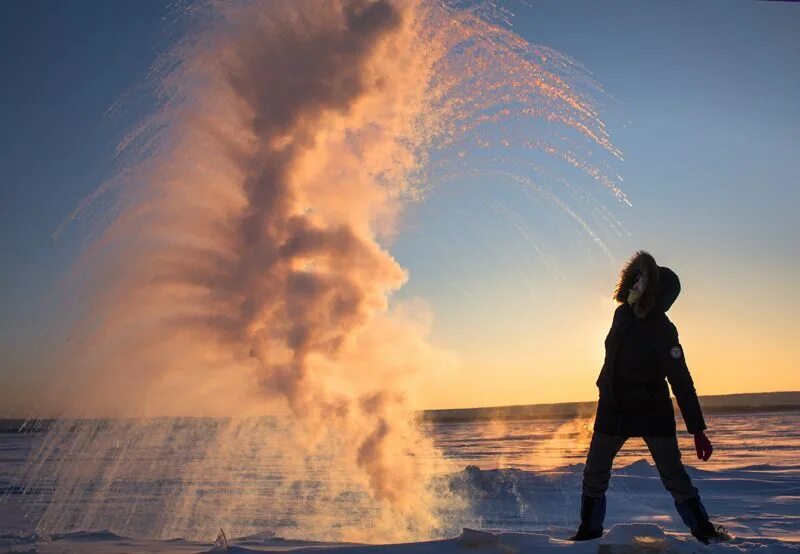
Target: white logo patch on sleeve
[(675, 352)]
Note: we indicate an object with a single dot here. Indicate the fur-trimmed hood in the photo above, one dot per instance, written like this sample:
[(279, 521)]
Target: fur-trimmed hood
[(646, 286)]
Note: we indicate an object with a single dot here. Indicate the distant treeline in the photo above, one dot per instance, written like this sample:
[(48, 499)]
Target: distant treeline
[(19, 425), (24, 425), (712, 404)]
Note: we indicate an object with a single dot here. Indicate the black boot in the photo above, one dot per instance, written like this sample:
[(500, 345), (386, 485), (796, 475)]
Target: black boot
[(694, 515), (708, 533), (593, 512)]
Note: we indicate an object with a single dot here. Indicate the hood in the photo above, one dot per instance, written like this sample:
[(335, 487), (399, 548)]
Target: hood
[(668, 290), (646, 286)]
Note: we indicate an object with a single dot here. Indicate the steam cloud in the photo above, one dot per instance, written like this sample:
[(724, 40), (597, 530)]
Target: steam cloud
[(246, 271)]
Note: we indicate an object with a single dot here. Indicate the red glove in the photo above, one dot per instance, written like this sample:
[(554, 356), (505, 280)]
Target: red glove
[(703, 446)]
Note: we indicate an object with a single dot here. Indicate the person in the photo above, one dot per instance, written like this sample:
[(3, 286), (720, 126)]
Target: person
[(642, 350)]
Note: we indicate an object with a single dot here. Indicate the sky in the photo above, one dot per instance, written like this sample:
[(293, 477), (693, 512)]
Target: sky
[(701, 97)]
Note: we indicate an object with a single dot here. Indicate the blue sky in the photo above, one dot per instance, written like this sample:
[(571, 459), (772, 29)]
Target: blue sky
[(707, 116), (703, 103), (64, 65)]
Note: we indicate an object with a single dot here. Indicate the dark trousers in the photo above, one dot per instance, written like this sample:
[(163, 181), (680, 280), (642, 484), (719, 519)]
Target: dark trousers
[(666, 455)]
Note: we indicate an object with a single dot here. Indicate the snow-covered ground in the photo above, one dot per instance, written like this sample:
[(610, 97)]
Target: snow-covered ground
[(621, 538), (523, 482)]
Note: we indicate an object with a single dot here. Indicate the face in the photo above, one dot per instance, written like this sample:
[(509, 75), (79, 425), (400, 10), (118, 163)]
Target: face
[(637, 289)]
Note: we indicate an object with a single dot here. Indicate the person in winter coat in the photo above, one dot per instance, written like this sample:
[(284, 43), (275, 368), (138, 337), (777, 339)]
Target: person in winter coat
[(643, 354)]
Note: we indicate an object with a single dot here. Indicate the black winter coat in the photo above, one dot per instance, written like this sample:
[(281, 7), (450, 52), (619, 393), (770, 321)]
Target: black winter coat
[(642, 350)]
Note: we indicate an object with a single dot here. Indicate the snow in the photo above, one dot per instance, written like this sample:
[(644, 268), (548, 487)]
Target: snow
[(756, 503), (520, 500), (631, 537)]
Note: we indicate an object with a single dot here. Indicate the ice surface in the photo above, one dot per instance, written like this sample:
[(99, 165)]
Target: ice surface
[(519, 502)]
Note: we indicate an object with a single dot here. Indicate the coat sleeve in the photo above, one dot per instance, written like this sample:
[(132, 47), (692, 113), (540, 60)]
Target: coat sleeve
[(673, 362)]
